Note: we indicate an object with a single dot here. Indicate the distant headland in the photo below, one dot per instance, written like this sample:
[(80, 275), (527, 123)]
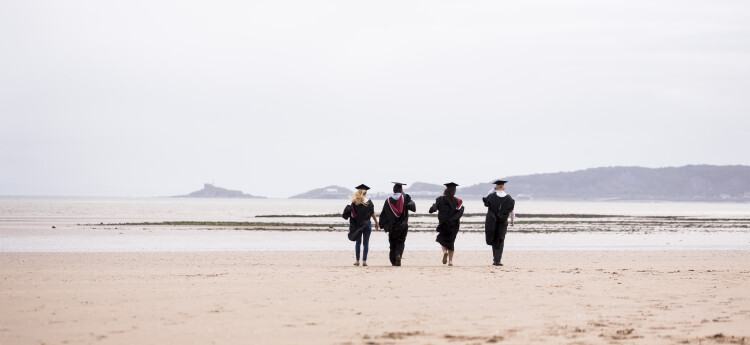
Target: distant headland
[(330, 192), (686, 183), (211, 191)]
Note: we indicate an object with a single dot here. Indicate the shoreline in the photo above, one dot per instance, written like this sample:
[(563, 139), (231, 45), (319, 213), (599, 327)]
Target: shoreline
[(156, 239)]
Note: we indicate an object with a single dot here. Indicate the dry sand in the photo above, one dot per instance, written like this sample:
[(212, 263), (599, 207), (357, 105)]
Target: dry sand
[(555, 297)]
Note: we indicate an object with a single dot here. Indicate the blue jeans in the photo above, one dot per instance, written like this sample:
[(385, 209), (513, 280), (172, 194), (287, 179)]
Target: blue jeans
[(366, 235)]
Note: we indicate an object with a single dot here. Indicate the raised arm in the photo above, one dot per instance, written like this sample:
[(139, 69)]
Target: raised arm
[(411, 206), (486, 199)]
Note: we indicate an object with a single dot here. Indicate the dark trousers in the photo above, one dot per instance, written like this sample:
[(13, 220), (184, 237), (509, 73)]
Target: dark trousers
[(397, 251), (498, 242), (397, 243), (366, 243)]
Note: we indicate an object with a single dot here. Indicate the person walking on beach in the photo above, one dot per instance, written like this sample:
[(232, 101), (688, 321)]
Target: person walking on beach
[(499, 205), (449, 209), (359, 213), (394, 219)]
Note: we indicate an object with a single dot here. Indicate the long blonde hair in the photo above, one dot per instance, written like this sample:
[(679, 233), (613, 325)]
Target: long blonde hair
[(359, 197)]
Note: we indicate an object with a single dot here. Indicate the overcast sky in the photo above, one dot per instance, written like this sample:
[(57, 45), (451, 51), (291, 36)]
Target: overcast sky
[(151, 98)]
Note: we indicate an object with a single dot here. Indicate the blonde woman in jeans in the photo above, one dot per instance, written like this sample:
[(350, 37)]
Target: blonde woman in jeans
[(362, 209)]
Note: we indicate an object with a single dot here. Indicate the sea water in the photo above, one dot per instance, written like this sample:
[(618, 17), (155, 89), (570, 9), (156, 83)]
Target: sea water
[(26, 225)]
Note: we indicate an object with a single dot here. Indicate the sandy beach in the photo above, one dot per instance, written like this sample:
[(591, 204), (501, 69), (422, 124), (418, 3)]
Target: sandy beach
[(555, 297)]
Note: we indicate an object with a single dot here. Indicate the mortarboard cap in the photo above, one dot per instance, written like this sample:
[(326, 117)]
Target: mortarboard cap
[(451, 184), (500, 182), (362, 186), (399, 183)]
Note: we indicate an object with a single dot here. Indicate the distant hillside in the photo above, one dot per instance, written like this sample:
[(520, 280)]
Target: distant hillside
[(211, 191), (417, 190), (330, 192), (422, 190), (692, 182)]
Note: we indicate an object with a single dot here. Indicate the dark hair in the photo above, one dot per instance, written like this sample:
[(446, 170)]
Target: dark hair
[(397, 188), (450, 192)]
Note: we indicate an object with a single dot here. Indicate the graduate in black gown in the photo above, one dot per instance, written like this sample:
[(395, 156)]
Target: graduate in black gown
[(359, 213), (449, 209), (500, 206), (394, 219)]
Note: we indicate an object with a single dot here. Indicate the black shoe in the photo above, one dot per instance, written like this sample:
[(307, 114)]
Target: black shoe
[(398, 260), (497, 264)]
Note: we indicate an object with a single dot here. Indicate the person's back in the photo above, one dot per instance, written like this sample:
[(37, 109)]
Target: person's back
[(360, 211), (450, 210), (500, 206), (394, 219)]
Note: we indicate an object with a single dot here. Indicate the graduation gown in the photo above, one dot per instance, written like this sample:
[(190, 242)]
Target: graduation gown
[(359, 218), (496, 221), (396, 226), (450, 211), (394, 219)]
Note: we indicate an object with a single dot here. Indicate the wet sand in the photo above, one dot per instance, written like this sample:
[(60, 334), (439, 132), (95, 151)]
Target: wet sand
[(554, 297)]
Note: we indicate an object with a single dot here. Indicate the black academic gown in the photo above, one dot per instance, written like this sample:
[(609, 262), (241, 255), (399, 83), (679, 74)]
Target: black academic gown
[(361, 220), (396, 227), (450, 211), (496, 221)]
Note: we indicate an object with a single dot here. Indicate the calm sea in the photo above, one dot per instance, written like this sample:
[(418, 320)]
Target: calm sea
[(26, 225)]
